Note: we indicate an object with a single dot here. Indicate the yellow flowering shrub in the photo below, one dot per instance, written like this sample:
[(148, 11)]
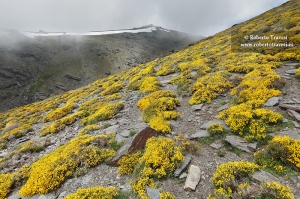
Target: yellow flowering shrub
[(207, 87), (161, 156), (60, 112), (113, 97), (228, 177), (276, 190), (240, 117), (146, 101), (114, 88), (94, 193), (280, 150), (85, 130), (106, 112), (52, 128), (17, 132), (6, 181), (256, 86), (166, 195), (160, 124), (156, 109), (298, 73), (215, 128), (128, 161), (149, 84), (51, 170)]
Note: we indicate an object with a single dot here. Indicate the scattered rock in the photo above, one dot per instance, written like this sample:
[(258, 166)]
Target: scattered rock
[(252, 146), (183, 175), (296, 124), (296, 100), (125, 133), (183, 165), (240, 143), (22, 140), (134, 143), (120, 138), (216, 145), (152, 193), (14, 196), (139, 126), (62, 195), (200, 134), (288, 102), (197, 107), (291, 72), (285, 120), (286, 77), (167, 81), (292, 134), (294, 114), (225, 106), (3, 154), (273, 101), (291, 107), (263, 176), (205, 125), (113, 128), (60, 86), (193, 178), (73, 77), (126, 187)]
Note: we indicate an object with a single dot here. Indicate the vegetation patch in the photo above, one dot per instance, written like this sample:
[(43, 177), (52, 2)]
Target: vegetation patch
[(281, 155), (161, 157), (51, 170), (157, 109)]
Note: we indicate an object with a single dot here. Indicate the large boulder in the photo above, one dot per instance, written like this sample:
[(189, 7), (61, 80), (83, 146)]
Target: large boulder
[(133, 144)]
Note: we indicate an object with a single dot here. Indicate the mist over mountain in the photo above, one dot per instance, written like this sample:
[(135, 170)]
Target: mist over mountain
[(36, 65)]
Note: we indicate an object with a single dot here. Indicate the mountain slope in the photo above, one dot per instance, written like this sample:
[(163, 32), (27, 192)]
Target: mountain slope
[(65, 138), (34, 66)]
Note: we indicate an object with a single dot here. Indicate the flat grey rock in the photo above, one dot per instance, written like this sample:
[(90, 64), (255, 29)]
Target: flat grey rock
[(3, 154), (183, 175), (193, 178), (207, 124), (183, 165), (286, 77), (216, 145), (125, 133), (167, 81), (290, 107), (291, 133), (252, 146), (139, 126), (237, 142), (263, 176), (273, 101), (120, 138), (225, 106), (197, 107), (285, 120), (291, 72), (152, 193), (62, 195), (296, 100), (296, 124), (113, 128), (288, 102), (200, 134), (294, 114)]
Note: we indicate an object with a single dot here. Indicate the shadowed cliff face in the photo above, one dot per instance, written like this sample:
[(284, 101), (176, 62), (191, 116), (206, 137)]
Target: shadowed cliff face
[(32, 69)]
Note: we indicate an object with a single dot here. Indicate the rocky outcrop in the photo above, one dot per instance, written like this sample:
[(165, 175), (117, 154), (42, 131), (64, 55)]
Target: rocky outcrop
[(133, 144)]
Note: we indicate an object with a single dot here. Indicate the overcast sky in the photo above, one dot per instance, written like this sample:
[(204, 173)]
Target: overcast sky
[(200, 17)]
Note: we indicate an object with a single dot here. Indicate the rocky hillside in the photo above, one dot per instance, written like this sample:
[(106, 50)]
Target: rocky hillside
[(35, 66), (219, 119)]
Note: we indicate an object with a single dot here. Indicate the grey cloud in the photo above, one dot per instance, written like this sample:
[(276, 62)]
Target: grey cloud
[(200, 17)]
